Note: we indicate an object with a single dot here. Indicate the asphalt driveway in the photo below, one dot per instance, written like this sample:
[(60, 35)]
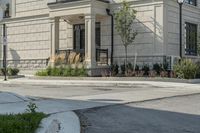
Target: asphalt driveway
[(170, 115)]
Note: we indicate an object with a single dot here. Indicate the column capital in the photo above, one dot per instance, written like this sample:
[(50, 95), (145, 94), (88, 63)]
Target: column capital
[(90, 16), (54, 19)]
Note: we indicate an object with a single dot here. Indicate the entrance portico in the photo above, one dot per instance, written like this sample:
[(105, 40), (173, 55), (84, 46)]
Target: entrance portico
[(83, 13)]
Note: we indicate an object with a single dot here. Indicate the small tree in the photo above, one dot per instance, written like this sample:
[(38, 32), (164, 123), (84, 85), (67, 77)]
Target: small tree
[(124, 19)]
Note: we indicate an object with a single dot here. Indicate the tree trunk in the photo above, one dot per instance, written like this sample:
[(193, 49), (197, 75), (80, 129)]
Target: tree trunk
[(126, 60)]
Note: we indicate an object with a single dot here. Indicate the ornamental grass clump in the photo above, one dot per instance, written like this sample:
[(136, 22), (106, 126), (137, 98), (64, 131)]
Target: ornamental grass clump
[(186, 69)]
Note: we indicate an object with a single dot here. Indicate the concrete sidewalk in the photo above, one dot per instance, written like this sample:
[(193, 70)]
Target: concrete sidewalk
[(95, 81)]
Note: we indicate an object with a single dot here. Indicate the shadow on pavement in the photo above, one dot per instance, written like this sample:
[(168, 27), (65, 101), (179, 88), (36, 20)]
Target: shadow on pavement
[(130, 119)]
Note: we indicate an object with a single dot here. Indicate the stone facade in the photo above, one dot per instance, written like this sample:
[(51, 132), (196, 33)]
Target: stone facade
[(33, 35), (171, 24)]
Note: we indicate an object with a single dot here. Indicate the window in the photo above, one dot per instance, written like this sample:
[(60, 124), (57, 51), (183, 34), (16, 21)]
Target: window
[(191, 2), (191, 39)]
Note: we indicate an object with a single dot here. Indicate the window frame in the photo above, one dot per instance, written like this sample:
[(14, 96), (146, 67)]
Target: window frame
[(191, 2), (191, 42)]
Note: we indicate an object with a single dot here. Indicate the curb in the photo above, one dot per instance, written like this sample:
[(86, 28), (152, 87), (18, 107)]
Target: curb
[(174, 80), (92, 83), (65, 122), (13, 77)]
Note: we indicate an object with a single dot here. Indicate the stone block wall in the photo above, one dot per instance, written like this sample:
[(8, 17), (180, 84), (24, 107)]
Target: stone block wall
[(29, 64), (190, 14), (29, 42), (31, 7), (149, 42)]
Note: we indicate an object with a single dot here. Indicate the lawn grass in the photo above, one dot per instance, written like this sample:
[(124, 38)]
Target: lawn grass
[(20, 123)]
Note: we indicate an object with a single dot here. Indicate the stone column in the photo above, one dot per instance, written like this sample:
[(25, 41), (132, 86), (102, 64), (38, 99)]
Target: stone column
[(90, 46), (1, 45), (54, 26)]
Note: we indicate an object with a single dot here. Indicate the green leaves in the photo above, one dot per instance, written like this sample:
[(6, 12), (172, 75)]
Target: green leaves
[(63, 72), (20, 123), (31, 108), (124, 19)]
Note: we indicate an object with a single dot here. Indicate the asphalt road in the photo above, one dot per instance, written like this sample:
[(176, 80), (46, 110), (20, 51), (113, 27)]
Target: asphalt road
[(174, 108), (66, 91), (170, 115)]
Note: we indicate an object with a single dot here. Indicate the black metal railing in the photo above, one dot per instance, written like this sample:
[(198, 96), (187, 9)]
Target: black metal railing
[(102, 56), (74, 56)]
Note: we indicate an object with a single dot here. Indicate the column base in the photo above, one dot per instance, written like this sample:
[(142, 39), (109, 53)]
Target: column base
[(51, 62), (98, 71)]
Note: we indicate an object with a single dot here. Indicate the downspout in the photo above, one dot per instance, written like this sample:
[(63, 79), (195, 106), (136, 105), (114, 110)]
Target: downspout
[(112, 34)]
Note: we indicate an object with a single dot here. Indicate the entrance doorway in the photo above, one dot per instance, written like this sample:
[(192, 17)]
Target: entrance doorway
[(79, 37)]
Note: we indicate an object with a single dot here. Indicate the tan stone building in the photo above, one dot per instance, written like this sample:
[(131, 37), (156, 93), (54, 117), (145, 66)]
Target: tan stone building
[(39, 29)]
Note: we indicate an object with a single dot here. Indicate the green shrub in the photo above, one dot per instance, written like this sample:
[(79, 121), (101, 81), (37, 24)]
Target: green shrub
[(130, 67), (67, 71), (2, 72), (48, 70), (74, 72), (82, 72), (10, 71), (146, 70), (20, 123), (198, 71), (157, 67), (62, 71), (56, 71), (114, 69), (42, 73), (122, 67), (137, 68), (13, 71), (186, 69), (165, 66), (31, 108)]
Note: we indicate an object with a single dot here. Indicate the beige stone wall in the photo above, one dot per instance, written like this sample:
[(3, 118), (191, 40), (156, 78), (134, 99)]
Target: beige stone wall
[(28, 40), (190, 14), (149, 41), (66, 35), (31, 7)]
